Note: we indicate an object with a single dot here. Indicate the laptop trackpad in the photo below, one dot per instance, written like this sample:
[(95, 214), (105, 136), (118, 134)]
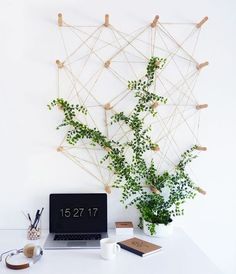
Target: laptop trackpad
[(76, 243)]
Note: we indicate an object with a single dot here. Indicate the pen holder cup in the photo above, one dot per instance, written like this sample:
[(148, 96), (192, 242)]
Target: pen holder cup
[(33, 233)]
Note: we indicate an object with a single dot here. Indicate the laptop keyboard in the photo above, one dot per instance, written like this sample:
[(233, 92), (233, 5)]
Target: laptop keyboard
[(76, 237)]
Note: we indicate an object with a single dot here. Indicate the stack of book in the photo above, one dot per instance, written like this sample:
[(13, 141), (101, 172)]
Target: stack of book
[(124, 228)]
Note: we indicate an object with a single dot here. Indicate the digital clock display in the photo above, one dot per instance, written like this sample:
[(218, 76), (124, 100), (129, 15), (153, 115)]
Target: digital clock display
[(78, 213)]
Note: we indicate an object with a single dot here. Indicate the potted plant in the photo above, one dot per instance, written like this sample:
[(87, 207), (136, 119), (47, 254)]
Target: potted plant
[(137, 177), (168, 193), (155, 219)]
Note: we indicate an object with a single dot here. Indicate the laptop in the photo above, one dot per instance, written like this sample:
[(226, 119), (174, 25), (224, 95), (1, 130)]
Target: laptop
[(76, 220)]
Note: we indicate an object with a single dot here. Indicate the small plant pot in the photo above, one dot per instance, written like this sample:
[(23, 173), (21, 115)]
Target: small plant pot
[(161, 230)]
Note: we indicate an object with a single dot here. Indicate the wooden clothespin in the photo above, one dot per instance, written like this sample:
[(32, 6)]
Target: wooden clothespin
[(198, 107), (198, 25), (59, 20), (154, 22)]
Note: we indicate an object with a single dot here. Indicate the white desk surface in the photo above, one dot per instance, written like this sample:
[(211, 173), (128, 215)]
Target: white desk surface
[(178, 256)]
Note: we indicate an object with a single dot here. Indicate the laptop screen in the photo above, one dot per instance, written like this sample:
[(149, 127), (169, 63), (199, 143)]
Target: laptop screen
[(78, 213)]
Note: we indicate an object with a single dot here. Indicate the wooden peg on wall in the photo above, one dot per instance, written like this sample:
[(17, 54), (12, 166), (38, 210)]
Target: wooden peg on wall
[(60, 149), (108, 149), (107, 106), (200, 148), (158, 64), (59, 20), (154, 105), (59, 64), (108, 189), (202, 65), (106, 24), (198, 107), (156, 148), (200, 190), (154, 190), (154, 22), (198, 25), (59, 106), (107, 64)]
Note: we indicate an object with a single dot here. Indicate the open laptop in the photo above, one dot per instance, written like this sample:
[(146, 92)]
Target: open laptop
[(77, 220)]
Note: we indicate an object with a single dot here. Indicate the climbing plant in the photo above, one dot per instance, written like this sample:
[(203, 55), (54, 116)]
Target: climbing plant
[(138, 180)]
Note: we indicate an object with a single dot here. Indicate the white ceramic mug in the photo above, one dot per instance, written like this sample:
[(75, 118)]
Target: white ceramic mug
[(109, 248)]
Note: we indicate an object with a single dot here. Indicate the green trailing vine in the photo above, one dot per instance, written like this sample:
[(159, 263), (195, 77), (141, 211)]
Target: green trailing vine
[(132, 176), (155, 208)]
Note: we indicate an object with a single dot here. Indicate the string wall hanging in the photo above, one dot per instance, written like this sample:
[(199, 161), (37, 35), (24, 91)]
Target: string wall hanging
[(101, 66)]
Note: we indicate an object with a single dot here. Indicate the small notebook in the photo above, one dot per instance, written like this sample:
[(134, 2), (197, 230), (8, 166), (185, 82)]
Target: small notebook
[(139, 247)]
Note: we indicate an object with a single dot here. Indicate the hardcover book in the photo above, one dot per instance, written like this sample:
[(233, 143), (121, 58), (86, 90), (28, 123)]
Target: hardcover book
[(139, 247)]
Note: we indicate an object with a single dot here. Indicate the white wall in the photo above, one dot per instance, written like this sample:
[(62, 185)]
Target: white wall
[(31, 168)]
